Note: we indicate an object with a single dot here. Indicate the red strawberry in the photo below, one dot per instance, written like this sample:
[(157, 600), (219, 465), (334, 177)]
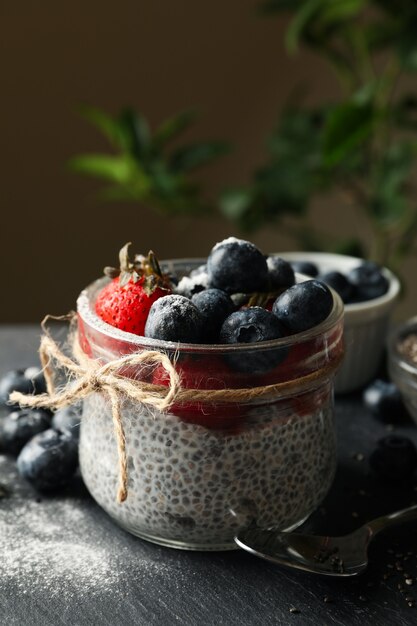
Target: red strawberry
[(126, 300)]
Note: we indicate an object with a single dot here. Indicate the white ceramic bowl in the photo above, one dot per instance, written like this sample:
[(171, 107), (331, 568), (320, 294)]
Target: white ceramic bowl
[(366, 323)]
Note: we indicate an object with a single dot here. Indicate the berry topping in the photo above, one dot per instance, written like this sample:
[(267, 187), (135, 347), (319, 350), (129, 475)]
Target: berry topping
[(339, 283), (251, 325), (305, 267), (126, 300), (280, 273), (303, 306), (214, 305), (174, 318), (395, 458), (384, 400), (19, 426), (368, 280), (237, 266), (49, 460)]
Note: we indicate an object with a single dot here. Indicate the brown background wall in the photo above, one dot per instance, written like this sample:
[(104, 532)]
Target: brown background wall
[(160, 57)]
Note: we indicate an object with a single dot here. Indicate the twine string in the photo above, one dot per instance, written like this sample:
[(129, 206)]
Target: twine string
[(88, 375)]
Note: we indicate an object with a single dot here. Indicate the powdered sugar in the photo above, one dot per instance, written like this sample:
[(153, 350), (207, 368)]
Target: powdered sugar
[(46, 544)]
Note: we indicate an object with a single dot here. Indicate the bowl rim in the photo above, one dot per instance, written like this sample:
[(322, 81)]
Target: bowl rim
[(357, 307)]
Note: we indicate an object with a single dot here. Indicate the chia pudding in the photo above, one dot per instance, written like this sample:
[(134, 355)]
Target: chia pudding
[(203, 470), (185, 479)]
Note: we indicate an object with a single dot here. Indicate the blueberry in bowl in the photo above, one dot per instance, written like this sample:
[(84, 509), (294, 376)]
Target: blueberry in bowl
[(369, 293), (368, 281)]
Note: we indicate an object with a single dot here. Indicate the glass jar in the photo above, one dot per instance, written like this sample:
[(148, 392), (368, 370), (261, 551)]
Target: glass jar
[(204, 469)]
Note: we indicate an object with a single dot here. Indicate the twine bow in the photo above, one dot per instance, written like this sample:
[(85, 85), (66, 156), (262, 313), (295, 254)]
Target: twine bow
[(89, 376)]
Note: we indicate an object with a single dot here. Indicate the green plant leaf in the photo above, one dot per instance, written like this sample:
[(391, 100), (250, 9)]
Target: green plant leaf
[(189, 157), (111, 128), (284, 187), (117, 169), (317, 21), (137, 131), (402, 8), (405, 112), (338, 12), (297, 136), (351, 247), (347, 127), (173, 127), (407, 48), (389, 200), (164, 181), (303, 18), (381, 34), (234, 203)]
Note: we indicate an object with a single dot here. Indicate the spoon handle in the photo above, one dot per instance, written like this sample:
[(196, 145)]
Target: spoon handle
[(385, 521)]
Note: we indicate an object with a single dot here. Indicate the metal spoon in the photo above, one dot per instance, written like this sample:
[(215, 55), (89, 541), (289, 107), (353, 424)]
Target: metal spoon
[(332, 556)]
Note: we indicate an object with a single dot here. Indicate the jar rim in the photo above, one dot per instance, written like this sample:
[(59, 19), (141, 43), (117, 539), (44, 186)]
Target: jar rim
[(85, 308)]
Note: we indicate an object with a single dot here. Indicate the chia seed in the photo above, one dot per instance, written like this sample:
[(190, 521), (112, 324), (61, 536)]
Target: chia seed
[(256, 463)]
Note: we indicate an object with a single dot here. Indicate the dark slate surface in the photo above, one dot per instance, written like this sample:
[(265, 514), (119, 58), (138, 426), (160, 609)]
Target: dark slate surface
[(63, 561)]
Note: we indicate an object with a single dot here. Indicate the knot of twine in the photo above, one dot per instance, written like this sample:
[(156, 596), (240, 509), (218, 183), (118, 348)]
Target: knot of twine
[(89, 375)]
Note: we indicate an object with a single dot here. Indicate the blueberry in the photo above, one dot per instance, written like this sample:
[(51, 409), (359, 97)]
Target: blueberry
[(369, 281), (214, 305), (28, 381), (35, 375), (303, 306), (252, 325), (21, 425), (281, 273), (305, 267), (395, 458), (49, 460), (384, 400), (237, 266), (68, 420), (340, 283), (174, 318)]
